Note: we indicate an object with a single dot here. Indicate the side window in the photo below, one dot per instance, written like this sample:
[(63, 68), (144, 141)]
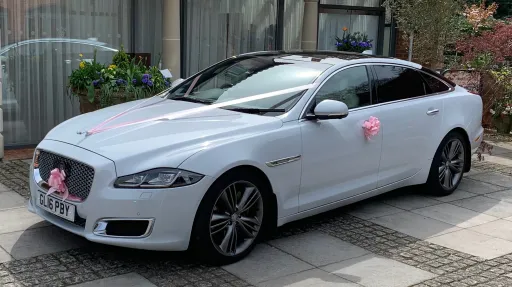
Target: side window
[(350, 86), (434, 85), (398, 83)]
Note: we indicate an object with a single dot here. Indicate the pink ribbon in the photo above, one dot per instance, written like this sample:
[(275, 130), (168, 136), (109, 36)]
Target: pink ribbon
[(56, 182), (371, 127)]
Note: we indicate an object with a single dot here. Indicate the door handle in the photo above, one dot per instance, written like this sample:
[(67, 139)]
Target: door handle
[(432, 112)]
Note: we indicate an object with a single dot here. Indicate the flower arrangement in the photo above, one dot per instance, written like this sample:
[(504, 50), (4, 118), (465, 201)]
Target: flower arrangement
[(353, 42), (125, 79)]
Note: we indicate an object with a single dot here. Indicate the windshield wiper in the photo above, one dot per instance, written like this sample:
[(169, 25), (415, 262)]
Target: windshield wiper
[(256, 111), (191, 100)]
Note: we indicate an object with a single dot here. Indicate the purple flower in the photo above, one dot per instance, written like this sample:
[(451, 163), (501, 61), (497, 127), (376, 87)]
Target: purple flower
[(150, 83), (134, 81), (146, 76), (166, 83), (353, 43), (121, 82), (144, 80), (95, 83)]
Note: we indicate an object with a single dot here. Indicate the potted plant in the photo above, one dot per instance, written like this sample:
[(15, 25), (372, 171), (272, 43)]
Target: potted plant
[(353, 42), (126, 79)]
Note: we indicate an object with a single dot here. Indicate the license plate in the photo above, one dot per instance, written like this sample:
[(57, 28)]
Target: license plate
[(56, 206)]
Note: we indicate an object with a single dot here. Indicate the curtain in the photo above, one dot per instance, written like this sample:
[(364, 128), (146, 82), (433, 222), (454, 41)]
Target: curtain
[(366, 3), (41, 42), (218, 29), (293, 18)]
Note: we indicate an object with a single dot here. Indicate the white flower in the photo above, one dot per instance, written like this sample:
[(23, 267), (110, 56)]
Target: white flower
[(507, 109), (492, 112), (504, 112)]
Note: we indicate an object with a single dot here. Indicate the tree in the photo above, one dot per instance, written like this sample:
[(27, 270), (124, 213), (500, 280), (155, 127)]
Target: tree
[(430, 24), (504, 7)]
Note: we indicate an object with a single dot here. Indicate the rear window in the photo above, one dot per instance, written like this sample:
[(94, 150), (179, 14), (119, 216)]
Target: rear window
[(398, 83), (438, 75), (434, 85)]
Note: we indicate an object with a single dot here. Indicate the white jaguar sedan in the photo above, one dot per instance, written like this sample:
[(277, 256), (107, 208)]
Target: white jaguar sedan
[(251, 143)]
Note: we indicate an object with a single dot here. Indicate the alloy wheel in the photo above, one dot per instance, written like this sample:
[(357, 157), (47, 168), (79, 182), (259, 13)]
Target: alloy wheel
[(452, 164), (236, 218)]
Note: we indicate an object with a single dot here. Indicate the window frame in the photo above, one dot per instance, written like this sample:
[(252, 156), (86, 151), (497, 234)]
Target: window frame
[(311, 100), (372, 76)]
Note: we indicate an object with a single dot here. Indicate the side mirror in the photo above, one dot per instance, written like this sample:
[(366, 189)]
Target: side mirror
[(177, 82), (329, 109)]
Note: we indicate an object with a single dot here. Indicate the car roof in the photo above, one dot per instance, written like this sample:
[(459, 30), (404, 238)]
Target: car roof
[(331, 58)]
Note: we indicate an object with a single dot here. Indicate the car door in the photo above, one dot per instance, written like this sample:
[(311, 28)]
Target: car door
[(410, 119), (337, 160)]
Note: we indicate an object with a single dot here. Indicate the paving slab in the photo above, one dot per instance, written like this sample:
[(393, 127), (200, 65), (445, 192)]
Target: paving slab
[(315, 277), (474, 171), (505, 195), (409, 201), (39, 241), (375, 271), (371, 209), (415, 225), (478, 187), (10, 199), (474, 243), (4, 256), (455, 215), (458, 194), (266, 263), (19, 219), (494, 178), (126, 280), (487, 205), (499, 228), (318, 248)]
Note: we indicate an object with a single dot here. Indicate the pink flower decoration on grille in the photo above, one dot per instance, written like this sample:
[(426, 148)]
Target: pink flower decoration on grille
[(56, 182), (371, 127)]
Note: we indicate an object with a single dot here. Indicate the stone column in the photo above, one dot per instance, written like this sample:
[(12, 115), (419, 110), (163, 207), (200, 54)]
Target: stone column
[(171, 53), (310, 25)]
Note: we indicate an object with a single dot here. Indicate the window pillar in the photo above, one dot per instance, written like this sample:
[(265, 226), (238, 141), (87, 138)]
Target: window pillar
[(310, 25), (171, 52)]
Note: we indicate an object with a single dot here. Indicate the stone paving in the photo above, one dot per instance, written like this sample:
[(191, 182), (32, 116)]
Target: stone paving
[(404, 238)]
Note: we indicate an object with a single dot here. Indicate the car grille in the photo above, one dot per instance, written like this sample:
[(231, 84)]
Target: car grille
[(79, 176)]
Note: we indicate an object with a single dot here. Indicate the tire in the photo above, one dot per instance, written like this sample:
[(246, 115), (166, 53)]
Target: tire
[(214, 219), (438, 183)]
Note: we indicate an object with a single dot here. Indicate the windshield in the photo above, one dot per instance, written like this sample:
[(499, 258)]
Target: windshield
[(241, 78)]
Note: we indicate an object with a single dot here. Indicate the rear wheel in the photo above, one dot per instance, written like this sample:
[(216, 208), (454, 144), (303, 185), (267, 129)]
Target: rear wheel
[(230, 218), (448, 165)]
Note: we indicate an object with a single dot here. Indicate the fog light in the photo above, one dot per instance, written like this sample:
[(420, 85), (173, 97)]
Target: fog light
[(128, 228)]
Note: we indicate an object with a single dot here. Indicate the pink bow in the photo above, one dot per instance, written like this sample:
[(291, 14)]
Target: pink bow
[(371, 127), (56, 182)]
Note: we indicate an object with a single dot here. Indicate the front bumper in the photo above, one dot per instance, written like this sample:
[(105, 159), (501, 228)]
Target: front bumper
[(173, 210)]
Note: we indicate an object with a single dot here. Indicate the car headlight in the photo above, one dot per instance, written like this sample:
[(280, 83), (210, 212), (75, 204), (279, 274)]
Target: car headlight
[(158, 178)]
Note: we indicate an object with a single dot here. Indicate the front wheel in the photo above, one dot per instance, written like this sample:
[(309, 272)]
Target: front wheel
[(448, 165), (230, 218)]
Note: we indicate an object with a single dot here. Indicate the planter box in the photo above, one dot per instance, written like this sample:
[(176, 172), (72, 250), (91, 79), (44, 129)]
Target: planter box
[(86, 106)]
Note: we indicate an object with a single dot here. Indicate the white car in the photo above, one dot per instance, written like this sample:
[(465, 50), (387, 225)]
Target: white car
[(251, 143)]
